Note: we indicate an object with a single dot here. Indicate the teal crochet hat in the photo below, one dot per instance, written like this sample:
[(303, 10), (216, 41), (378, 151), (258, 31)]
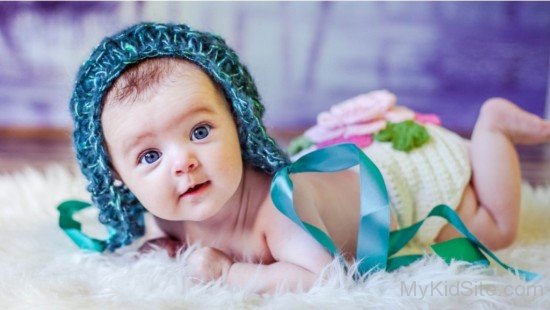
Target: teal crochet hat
[(119, 208)]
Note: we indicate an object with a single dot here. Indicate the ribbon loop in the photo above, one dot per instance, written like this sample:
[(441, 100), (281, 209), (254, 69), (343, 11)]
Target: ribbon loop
[(375, 243), (374, 221), (74, 229)]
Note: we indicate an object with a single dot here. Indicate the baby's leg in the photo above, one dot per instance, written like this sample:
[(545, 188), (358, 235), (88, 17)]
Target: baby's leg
[(491, 209)]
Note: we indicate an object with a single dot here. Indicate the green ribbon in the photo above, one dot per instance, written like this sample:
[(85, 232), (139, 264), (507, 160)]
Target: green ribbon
[(74, 229), (376, 245), (468, 249), (372, 243)]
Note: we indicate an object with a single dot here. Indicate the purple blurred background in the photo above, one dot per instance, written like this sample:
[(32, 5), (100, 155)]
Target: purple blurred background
[(442, 57)]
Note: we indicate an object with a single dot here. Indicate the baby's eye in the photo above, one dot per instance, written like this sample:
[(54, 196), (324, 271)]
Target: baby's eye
[(149, 157), (200, 132)]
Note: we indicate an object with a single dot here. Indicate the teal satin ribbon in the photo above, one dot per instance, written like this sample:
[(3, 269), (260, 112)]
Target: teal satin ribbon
[(376, 245), (468, 249), (374, 224), (74, 229)]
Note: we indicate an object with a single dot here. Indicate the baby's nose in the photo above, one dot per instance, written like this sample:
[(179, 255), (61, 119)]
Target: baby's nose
[(185, 165)]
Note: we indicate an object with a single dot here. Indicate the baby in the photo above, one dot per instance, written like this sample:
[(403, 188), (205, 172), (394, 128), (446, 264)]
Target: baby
[(168, 119)]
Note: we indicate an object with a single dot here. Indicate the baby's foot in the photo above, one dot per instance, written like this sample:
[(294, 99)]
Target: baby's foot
[(521, 126)]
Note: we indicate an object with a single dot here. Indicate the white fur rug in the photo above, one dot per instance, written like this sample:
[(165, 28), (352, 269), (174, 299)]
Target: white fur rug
[(41, 268)]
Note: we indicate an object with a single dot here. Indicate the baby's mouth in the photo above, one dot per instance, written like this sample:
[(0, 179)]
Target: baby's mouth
[(196, 188)]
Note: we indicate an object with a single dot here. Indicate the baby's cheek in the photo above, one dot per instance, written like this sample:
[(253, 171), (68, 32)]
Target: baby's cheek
[(229, 170), (149, 197)]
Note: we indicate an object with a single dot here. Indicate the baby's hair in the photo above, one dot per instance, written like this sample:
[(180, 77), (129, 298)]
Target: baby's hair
[(142, 44), (139, 79)]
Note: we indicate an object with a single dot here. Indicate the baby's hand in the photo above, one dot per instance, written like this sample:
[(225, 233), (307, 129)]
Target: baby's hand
[(172, 246), (207, 264)]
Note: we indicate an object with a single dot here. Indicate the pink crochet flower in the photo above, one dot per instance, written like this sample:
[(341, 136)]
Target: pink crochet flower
[(360, 141), (360, 109), (363, 115), (427, 119), (399, 114)]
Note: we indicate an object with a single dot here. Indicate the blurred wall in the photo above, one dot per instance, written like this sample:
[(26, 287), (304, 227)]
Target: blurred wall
[(443, 57)]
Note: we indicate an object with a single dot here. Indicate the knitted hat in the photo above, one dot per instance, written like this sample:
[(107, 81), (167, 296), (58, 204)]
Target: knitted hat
[(119, 208)]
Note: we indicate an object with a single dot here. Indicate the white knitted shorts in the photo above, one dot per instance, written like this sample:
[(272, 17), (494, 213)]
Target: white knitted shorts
[(435, 173)]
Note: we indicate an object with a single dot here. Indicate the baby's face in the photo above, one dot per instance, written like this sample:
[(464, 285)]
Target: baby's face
[(177, 150)]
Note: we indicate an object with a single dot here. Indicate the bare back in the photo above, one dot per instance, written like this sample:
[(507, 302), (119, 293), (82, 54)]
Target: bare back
[(337, 204), (330, 201)]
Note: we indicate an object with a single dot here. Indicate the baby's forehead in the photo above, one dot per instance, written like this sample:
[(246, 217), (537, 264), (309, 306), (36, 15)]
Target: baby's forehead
[(142, 80)]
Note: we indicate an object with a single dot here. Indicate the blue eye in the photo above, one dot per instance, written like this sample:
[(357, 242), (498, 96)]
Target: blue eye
[(149, 157), (200, 132)]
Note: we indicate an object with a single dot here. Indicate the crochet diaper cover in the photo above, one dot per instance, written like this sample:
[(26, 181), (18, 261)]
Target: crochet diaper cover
[(434, 172)]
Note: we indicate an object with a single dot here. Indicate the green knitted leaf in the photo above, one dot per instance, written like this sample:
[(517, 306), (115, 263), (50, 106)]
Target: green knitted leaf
[(299, 144), (386, 134), (405, 136)]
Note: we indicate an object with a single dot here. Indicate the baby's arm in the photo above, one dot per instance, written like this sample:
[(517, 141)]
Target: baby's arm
[(161, 234), (299, 257)]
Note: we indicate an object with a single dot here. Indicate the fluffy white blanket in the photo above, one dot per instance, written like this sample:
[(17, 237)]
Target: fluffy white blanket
[(41, 268)]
